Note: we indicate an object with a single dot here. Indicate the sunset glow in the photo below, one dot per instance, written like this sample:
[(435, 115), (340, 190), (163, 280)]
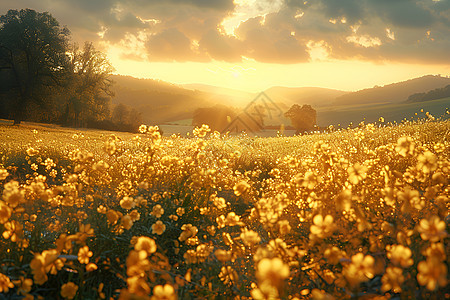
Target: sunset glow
[(252, 45)]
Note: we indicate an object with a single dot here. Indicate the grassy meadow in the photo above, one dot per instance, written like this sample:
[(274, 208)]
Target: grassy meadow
[(354, 213)]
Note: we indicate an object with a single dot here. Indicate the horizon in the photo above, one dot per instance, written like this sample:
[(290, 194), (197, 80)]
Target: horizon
[(251, 45), (187, 85)]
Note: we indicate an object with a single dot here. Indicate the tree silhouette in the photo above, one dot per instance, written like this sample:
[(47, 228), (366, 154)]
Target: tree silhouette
[(88, 86), (217, 117), (33, 57), (302, 118)]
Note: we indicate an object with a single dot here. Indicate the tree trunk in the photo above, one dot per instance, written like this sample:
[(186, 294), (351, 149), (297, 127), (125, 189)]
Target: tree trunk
[(18, 114)]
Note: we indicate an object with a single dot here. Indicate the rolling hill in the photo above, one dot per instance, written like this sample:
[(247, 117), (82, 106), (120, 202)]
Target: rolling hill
[(314, 96), (160, 102), (157, 101), (393, 93)]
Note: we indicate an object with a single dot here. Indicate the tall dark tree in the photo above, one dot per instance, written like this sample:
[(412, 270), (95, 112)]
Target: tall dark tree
[(88, 87), (33, 56)]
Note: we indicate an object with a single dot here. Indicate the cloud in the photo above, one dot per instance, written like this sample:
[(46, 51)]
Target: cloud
[(170, 45), (222, 47), (267, 43), (280, 32)]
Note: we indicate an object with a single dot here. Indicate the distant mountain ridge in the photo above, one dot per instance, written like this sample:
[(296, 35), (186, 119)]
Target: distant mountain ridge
[(161, 102), (395, 92)]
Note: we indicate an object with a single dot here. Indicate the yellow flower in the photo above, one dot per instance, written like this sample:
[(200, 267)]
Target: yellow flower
[(143, 128), (127, 222), (135, 215), (360, 269), (69, 290), (5, 212), (432, 229), (405, 146), (137, 263), (322, 227), (427, 162), (272, 271), (250, 237), (188, 231), (357, 173), (219, 202), (284, 227), (392, 280), (432, 273), (437, 251), (23, 285), (127, 203), (311, 180), (32, 152), (44, 263), (232, 219), (84, 232), (201, 131), (91, 267), (400, 255), (166, 292), (157, 211), (223, 255), (13, 230), (241, 187), (180, 211), (13, 194), (158, 228), (64, 242), (3, 174), (410, 197), (112, 217), (84, 254), (228, 275), (145, 243), (5, 283)]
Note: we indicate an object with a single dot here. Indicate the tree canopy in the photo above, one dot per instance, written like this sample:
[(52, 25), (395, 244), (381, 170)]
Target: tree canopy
[(45, 77), (33, 55), (89, 88), (303, 118)]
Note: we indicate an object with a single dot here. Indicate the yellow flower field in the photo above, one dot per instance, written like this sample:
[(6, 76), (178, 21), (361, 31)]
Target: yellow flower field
[(356, 213)]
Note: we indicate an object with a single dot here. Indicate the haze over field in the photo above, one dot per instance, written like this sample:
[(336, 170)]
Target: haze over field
[(253, 45), (160, 102)]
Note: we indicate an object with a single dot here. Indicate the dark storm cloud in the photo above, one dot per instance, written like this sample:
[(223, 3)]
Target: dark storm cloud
[(403, 13), (352, 10), (215, 4), (189, 30)]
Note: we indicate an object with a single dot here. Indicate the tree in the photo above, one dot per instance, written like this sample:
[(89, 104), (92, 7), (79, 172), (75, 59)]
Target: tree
[(217, 117), (88, 85), (33, 55), (302, 118), (121, 114)]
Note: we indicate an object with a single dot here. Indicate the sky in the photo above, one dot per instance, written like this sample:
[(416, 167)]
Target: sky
[(252, 45)]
